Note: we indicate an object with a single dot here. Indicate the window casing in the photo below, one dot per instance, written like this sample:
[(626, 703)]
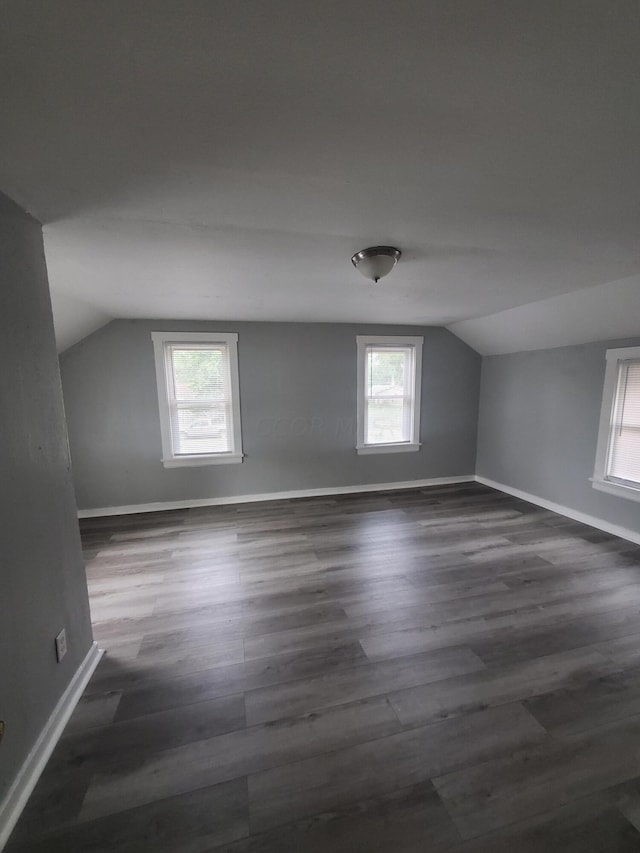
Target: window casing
[(389, 383), (617, 468), (198, 397)]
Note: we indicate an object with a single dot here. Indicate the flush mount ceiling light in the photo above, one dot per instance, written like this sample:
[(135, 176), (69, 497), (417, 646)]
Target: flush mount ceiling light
[(376, 261)]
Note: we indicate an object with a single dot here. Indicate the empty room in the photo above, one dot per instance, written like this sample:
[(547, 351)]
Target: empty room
[(320, 452)]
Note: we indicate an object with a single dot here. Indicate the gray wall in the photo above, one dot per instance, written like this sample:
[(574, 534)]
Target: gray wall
[(298, 401), (538, 427), (42, 581)]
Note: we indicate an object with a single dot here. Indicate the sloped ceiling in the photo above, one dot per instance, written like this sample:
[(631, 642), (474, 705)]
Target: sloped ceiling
[(604, 312), (193, 159)]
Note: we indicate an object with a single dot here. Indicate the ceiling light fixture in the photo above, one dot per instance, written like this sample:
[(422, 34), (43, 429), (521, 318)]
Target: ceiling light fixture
[(376, 261)]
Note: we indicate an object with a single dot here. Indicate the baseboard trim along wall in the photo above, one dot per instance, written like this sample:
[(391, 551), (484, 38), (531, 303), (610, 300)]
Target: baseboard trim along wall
[(273, 496), (16, 799), (591, 520)]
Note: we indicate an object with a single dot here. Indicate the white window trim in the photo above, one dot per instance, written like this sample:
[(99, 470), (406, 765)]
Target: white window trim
[(599, 480), (363, 341), (169, 460)]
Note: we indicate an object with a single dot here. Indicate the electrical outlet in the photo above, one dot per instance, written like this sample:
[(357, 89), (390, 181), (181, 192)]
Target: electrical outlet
[(61, 645)]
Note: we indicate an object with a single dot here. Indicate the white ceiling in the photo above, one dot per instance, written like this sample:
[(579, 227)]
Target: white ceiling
[(605, 312), (223, 160)]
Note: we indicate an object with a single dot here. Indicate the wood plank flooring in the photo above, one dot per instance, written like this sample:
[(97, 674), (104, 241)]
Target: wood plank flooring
[(444, 669)]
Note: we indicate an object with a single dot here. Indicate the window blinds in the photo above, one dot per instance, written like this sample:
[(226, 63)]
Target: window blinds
[(199, 394), (389, 394), (624, 447)]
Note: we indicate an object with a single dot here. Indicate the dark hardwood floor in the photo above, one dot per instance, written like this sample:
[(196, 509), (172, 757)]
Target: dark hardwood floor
[(431, 670)]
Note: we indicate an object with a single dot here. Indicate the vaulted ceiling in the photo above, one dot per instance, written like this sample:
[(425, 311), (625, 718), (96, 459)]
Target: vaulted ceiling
[(203, 159)]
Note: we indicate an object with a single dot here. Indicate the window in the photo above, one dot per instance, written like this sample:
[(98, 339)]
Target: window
[(617, 467), (389, 374), (198, 395)]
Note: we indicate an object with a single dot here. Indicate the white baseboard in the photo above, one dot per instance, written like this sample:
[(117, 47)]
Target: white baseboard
[(591, 520), (14, 802), (272, 496)]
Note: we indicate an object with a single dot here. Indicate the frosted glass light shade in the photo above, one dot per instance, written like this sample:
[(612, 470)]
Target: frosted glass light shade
[(376, 262)]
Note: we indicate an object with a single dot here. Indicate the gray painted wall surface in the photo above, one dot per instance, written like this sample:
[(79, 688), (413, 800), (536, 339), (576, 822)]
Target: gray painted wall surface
[(298, 401), (538, 427), (42, 580)]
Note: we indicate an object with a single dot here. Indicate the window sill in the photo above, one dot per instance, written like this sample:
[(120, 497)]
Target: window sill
[(387, 448), (618, 489), (193, 461)]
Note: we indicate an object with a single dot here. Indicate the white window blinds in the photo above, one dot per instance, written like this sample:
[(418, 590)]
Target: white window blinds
[(389, 394), (199, 398), (624, 437)]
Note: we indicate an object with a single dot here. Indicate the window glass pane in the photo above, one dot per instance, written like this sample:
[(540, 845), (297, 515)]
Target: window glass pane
[(200, 373), (387, 421), (201, 419), (202, 430), (624, 459), (389, 394), (387, 372)]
